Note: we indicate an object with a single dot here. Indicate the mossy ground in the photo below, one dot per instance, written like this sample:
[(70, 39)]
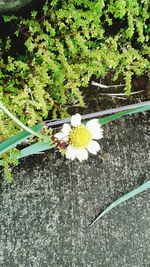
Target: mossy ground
[(49, 55)]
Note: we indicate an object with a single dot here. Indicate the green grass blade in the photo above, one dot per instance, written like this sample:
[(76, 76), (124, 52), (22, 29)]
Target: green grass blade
[(17, 139), (122, 199), (20, 137), (123, 113), (17, 121), (35, 149)]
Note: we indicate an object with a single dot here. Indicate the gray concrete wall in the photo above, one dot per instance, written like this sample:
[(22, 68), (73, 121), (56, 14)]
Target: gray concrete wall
[(43, 213)]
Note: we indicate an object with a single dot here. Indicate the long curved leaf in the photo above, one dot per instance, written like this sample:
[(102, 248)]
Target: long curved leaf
[(35, 149), (118, 115), (122, 199), (17, 121), (20, 137), (17, 139)]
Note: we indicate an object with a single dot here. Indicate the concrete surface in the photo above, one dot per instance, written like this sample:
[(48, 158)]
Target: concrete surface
[(43, 213)]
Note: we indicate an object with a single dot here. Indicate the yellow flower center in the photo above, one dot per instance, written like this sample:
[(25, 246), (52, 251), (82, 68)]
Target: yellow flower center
[(80, 137)]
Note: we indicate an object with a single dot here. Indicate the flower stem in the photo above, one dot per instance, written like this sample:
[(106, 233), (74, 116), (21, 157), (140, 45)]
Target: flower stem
[(17, 121)]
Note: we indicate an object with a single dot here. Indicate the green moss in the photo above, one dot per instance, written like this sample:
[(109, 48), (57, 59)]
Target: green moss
[(61, 47)]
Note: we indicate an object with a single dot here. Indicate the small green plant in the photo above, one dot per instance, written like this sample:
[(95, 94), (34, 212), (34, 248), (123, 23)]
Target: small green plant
[(77, 137), (59, 48), (51, 54)]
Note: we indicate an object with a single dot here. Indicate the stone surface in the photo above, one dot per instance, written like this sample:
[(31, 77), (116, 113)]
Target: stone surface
[(43, 213), (12, 5)]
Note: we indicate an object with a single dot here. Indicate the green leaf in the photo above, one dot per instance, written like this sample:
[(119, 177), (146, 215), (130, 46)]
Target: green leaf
[(17, 139), (23, 126), (9, 18), (122, 199), (35, 149), (34, 14), (38, 147), (118, 115)]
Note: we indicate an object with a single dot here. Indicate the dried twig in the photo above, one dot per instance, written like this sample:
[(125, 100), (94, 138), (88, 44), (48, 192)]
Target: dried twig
[(97, 114), (106, 86), (121, 94), (118, 97)]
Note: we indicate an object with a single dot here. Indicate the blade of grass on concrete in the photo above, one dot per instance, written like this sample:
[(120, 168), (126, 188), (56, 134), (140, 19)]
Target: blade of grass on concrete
[(35, 149), (122, 199), (17, 139), (123, 113)]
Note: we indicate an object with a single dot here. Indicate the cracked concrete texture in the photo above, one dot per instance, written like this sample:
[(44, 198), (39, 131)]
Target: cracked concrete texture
[(43, 213)]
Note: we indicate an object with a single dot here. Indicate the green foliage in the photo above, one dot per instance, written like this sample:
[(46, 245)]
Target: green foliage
[(9, 159), (10, 155), (54, 52)]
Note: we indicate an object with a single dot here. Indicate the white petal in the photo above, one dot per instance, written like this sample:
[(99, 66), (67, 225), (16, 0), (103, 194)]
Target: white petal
[(97, 134), (76, 120), (82, 154), (95, 129), (66, 129), (92, 123), (61, 136), (93, 147), (71, 153)]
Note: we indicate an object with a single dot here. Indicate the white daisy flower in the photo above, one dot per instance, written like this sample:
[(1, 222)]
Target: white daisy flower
[(79, 137)]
